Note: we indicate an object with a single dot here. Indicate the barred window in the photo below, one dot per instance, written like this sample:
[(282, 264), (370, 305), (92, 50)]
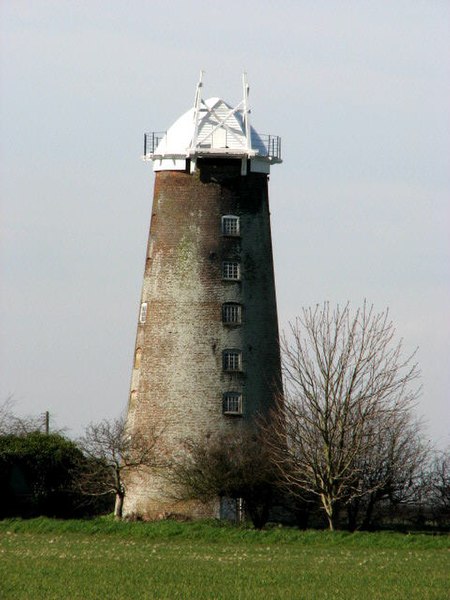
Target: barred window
[(143, 313), (230, 225), (231, 313), (232, 360), (232, 403), (231, 270)]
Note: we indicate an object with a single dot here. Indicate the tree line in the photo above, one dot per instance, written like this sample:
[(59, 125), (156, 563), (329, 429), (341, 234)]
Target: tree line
[(342, 447)]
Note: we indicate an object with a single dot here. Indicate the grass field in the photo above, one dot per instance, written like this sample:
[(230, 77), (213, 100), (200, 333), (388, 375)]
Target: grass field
[(101, 559)]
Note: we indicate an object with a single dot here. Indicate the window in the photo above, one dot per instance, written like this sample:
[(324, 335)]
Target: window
[(143, 313), (232, 360), (133, 399), (137, 358), (231, 270), (232, 403), (230, 225), (231, 313)]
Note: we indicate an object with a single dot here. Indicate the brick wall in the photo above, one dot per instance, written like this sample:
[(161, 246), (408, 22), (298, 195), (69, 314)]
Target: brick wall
[(179, 379)]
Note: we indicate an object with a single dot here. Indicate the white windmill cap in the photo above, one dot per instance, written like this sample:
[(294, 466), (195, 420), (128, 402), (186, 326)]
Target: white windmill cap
[(212, 128)]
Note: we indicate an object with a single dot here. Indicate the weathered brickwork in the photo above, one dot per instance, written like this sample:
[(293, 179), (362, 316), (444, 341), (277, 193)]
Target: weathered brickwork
[(178, 378)]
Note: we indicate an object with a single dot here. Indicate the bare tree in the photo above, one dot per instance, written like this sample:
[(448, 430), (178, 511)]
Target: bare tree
[(392, 470), (346, 382), (439, 494), (112, 452), (228, 465), (11, 424)]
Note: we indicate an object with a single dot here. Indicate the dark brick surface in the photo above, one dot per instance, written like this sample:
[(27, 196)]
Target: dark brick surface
[(180, 380)]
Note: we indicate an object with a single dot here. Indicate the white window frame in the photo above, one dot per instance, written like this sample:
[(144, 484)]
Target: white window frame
[(231, 226), (143, 312), (232, 360), (232, 403), (231, 270), (232, 313)]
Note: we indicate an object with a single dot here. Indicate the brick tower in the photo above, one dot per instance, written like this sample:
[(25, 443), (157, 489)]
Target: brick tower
[(206, 356)]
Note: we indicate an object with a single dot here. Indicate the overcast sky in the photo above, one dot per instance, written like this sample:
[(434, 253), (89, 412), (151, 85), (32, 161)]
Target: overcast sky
[(359, 92)]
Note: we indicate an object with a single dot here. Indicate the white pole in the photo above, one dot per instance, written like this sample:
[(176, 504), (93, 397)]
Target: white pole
[(246, 91)]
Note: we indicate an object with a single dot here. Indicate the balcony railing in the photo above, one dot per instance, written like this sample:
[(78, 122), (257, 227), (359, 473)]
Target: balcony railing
[(269, 146), (264, 145), (151, 141)]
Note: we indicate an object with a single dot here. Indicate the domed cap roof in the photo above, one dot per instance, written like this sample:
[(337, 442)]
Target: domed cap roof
[(211, 128), (219, 128)]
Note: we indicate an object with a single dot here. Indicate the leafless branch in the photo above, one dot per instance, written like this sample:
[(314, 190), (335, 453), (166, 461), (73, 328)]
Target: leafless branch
[(346, 385), (111, 452)]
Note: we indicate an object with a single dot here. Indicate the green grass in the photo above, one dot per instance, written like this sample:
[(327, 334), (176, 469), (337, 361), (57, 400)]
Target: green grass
[(44, 558)]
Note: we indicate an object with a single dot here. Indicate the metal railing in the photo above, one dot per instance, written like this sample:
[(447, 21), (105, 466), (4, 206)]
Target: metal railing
[(270, 146), (151, 141), (264, 145)]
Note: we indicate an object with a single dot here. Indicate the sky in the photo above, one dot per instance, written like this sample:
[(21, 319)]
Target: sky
[(359, 92)]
